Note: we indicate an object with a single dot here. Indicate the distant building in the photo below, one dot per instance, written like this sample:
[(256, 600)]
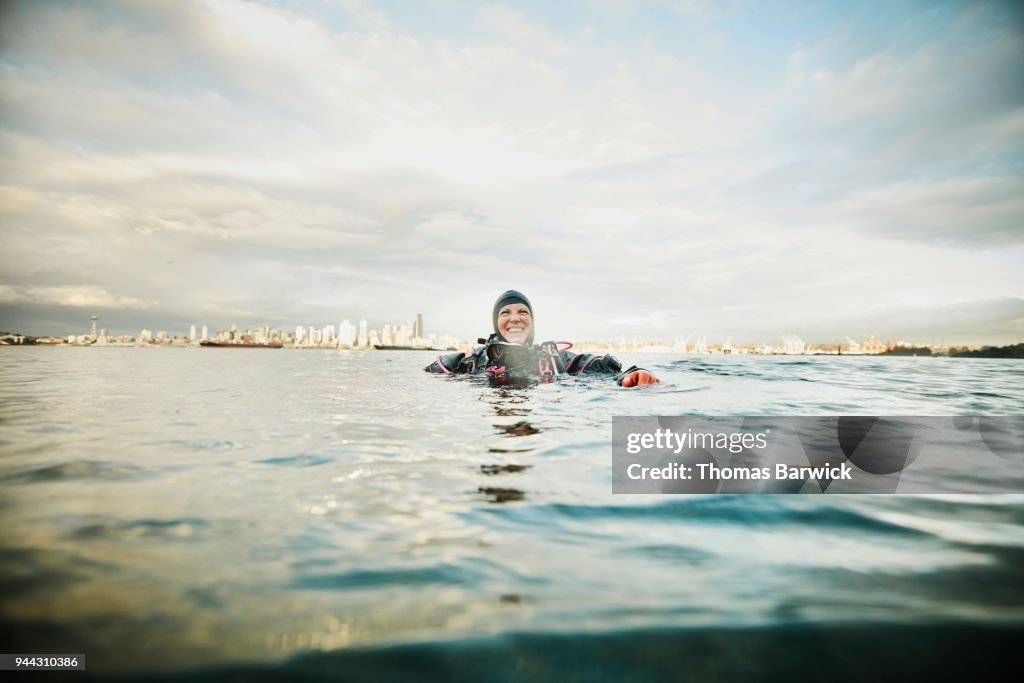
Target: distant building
[(192, 333), (364, 339), (401, 335), (873, 345), (345, 334), (793, 345), (417, 327)]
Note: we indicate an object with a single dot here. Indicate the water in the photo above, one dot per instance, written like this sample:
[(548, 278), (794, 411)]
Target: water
[(202, 512)]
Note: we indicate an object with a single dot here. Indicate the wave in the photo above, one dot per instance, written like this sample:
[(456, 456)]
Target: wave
[(799, 651)]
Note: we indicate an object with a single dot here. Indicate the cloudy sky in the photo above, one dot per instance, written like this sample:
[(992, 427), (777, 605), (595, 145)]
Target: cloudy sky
[(639, 169)]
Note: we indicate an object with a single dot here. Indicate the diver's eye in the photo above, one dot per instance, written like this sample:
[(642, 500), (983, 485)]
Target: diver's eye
[(508, 313)]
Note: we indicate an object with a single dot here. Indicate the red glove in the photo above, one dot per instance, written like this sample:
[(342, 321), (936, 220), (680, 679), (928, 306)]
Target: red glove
[(638, 378)]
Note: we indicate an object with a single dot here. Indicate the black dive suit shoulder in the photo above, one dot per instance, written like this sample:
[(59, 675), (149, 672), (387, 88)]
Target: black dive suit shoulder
[(476, 362)]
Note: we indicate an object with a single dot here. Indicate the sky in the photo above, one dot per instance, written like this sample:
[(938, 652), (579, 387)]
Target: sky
[(645, 170)]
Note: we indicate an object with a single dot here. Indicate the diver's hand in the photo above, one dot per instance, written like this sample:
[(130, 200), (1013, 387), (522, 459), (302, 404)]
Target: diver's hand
[(639, 378)]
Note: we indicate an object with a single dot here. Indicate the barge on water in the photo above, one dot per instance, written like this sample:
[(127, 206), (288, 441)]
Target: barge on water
[(240, 345)]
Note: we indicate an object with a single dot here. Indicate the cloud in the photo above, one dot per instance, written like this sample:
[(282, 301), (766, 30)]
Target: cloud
[(919, 138), (973, 212), (527, 36), (85, 296), (657, 172)]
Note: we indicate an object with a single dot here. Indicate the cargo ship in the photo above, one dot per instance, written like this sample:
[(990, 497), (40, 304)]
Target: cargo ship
[(240, 345), (389, 347)]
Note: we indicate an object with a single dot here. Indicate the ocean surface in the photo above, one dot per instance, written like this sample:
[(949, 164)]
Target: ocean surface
[(204, 514)]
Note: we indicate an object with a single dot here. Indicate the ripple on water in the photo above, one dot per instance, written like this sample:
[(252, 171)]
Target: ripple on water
[(388, 578), (736, 510), (301, 460), (77, 469), (160, 529)]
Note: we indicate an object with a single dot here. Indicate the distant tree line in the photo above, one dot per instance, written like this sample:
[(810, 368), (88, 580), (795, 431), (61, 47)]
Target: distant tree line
[(1012, 351), (908, 351)]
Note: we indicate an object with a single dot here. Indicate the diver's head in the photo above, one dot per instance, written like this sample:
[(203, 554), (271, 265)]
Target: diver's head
[(513, 318)]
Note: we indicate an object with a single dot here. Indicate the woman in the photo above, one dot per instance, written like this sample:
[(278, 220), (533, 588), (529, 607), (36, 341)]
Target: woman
[(510, 348)]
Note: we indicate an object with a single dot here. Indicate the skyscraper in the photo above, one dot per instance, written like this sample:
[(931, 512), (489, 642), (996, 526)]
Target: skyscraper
[(345, 334), (363, 338), (417, 328)]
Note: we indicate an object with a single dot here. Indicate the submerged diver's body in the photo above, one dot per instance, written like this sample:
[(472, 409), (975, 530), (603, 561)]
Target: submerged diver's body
[(513, 324)]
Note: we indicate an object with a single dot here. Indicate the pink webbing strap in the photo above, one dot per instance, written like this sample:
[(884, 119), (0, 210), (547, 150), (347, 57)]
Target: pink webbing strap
[(443, 368), (592, 359)]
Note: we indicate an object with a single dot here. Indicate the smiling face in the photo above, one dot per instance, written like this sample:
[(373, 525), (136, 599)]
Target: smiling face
[(515, 323)]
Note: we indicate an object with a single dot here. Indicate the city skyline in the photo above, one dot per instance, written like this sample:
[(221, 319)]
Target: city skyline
[(638, 170), (359, 334)]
